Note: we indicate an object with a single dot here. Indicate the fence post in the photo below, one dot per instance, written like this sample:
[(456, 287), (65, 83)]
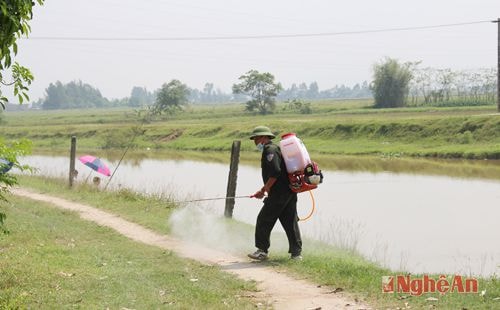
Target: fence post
[(233, 176), (72, 171)]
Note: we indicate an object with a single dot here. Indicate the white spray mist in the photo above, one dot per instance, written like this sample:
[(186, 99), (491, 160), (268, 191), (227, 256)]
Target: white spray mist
[(196, 223)]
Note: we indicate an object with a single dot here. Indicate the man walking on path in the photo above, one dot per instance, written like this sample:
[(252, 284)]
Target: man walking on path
[(280, 203)]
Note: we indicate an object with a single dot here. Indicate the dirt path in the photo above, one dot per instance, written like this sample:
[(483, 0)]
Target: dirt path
[(281, 291)]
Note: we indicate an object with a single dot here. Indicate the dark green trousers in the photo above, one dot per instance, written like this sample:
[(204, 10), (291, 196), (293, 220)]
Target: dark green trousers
[(282, 207)]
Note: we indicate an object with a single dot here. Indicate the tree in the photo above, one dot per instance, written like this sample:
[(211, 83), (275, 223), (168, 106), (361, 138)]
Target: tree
[(171, 97), (262, 89), (208, 92), (14, 18), (9, 152), (139, 97), (313, 91), (74, 95), (391, 83), (56, 96)]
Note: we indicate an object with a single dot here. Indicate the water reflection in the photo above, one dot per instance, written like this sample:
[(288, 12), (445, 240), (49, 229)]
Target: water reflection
[(418, 223), (472, 169), (479, 169)]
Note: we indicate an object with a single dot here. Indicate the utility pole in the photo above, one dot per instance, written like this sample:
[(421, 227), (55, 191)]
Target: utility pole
[(498, 65)]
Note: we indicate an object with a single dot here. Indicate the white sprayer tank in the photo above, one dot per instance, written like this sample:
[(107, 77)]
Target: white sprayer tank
[(294, 153)]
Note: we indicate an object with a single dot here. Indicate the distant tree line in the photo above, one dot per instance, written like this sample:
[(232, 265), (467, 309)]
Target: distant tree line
[(398, 84), (295, 91), (303, 91), (431, 86), (394, 84), (209, 94), (77, 94)]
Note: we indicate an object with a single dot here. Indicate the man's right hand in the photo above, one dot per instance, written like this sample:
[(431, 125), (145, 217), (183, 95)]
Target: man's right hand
[(259, 195)]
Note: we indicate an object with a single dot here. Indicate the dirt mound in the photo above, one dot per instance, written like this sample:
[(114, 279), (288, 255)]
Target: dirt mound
[(172, 136)]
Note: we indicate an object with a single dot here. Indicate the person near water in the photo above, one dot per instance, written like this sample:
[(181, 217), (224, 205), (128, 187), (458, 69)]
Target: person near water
[(280, 203)]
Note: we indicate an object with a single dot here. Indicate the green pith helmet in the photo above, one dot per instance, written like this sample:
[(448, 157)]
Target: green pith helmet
[(262, 131)]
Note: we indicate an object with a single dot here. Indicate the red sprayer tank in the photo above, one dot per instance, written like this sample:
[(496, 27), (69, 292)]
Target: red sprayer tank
[(303, 174)]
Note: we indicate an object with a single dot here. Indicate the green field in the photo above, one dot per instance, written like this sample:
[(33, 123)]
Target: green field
[(333, 128)]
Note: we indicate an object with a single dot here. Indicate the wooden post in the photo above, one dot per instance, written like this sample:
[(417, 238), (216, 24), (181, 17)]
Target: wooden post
[(233, 176), (72, 170)]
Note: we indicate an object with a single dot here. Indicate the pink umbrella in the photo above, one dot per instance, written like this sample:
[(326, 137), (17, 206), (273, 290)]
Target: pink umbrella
[(95, 163)]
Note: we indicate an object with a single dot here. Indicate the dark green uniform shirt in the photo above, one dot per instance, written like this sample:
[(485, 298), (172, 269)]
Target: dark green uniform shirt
[(273, 165)]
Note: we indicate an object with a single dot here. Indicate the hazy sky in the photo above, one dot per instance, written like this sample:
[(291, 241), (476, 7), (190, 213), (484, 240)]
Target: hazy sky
[(116, 66)]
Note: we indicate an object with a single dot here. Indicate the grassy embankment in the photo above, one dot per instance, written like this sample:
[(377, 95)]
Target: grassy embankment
[(334, 128), (53, 259)]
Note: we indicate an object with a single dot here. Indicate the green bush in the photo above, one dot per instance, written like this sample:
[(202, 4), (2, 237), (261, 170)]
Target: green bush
[(465, 137)]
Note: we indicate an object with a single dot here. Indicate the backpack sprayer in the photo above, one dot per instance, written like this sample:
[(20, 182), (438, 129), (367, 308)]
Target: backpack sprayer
[(303, 174)]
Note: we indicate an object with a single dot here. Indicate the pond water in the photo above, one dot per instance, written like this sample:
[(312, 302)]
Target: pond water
[(404, 221)]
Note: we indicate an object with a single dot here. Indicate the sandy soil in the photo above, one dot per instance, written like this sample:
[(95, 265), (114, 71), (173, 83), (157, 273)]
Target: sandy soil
[(279, 290)]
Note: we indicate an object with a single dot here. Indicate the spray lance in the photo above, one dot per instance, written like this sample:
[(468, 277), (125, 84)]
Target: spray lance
[(215, 198), (249, 196)]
